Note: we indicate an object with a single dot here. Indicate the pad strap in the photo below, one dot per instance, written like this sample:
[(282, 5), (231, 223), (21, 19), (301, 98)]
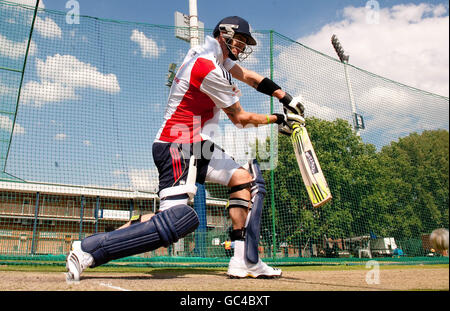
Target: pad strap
[(189, 189), (237, 203), (240, 187), (237, 235)]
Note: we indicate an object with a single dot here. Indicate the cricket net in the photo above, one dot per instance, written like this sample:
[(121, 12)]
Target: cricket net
[(81, 103)]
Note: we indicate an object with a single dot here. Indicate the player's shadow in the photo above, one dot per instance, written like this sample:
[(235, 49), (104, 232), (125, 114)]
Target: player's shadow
[(171, 273), (298, 280), (158, 274)]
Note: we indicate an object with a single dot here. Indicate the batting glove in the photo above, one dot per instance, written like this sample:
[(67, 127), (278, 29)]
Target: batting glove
[(293, 105), (286, 121)]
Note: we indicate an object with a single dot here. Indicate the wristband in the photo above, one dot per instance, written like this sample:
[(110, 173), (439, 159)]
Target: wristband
[(267, 86), (268, 119)]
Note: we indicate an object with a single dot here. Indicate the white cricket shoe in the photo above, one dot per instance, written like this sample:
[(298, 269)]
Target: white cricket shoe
[(77, 262), (241, 268)]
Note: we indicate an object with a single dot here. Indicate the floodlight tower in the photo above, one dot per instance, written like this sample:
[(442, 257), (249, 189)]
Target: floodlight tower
[(190, 29), (187, 28), (358, 121), (193, 23)]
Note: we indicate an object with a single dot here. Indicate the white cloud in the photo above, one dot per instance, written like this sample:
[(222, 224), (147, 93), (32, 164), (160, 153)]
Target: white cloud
[(318, 80), (29, 2), (138, 179), (149, 47), (87, 143), (60, 76), (6, 90), (258, 51), (16, 50), (60, 136), (410, 44), (47, 28), (118, 173), (6, 124), (39, 93), (69, 71), (143, 180), (404, 115)]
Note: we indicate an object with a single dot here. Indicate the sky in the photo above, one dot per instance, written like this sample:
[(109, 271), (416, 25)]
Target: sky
[(412, 34), (292, 18), (72, 73)]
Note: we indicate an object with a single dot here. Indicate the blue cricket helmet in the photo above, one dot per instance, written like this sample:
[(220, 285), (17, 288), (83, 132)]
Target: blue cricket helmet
[(232, 25)]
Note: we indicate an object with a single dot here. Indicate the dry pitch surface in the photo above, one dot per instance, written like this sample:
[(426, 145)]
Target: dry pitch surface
[(337, 278)]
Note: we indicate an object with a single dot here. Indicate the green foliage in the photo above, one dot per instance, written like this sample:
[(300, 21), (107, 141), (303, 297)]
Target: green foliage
[(400, 191), (414, 183)]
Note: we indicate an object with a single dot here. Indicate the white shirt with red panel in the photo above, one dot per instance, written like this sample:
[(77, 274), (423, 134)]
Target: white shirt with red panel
[(200, 89)]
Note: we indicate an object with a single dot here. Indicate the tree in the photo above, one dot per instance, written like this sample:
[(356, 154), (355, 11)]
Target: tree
[(348, 165), (412, 194), (401, 191)]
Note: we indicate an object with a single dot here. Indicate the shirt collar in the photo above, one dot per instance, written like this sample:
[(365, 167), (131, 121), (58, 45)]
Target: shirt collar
[(211, 45)]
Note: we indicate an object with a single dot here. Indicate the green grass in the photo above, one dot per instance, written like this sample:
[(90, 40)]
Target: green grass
[(199, 270)]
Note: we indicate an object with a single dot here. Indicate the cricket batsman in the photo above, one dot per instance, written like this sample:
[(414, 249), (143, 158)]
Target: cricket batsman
[(184, 153)]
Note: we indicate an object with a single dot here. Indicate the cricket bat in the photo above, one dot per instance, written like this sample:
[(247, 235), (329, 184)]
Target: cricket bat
[(316, 185)]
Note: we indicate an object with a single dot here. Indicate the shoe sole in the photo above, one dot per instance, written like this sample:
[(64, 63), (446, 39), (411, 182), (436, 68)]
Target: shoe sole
[(69, 277), (261, 276)]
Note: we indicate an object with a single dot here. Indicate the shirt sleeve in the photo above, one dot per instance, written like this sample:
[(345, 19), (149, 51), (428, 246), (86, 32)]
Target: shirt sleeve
[(228, 64), (218, 86)]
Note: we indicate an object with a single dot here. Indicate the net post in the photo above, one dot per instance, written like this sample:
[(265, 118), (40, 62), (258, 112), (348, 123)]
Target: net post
[(21, 82), (81, 217), (97, 208), (200, 233), (36, 212), (272, 177)]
